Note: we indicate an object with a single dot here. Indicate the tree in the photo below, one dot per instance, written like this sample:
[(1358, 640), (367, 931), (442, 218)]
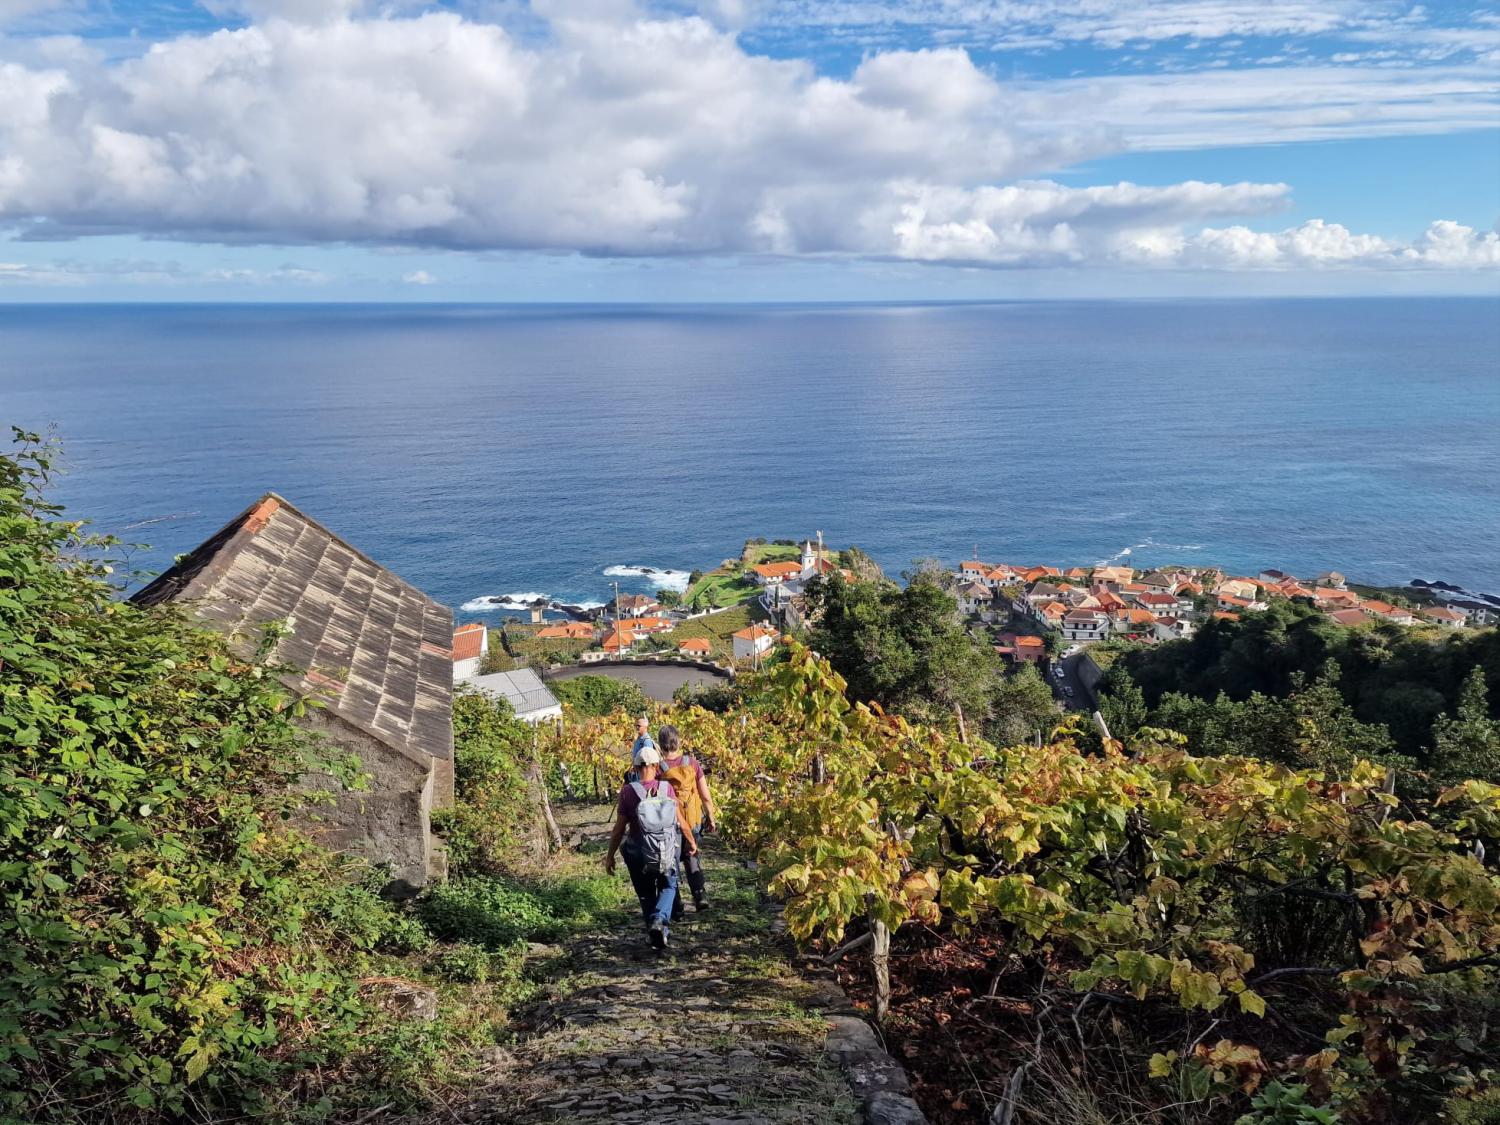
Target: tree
[(1023, 704), (669, 598), (1122, 703), (902, 648), (1466, 744)]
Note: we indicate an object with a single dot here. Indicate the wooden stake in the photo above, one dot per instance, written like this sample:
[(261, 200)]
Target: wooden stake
[(880, 962), (963, 731)]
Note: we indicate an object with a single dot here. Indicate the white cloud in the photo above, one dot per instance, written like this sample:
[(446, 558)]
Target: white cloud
[(1320, 245), (621, 135), (419, 277)]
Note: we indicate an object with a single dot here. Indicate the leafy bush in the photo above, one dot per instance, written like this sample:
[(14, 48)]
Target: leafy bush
[(494, 912), (464, 964), (494, 804), (163, 935), (602, 695)]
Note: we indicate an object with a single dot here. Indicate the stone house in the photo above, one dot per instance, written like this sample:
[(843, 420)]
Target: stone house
[(372, 648)]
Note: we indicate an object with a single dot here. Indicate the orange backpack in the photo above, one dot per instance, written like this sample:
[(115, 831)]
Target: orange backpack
[(684, 779)]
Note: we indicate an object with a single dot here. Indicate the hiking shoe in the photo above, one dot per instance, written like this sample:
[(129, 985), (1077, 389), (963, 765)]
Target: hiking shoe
[(702, 905), (658, 936)]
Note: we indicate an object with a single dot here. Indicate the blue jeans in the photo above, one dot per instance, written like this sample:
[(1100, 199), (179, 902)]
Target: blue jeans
[(655, 892)]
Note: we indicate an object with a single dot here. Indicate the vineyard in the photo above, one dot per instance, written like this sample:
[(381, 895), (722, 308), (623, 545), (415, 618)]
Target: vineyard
[(1132, 934)]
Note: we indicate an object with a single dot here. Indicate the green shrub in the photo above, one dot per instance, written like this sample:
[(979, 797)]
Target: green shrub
[(463, 964), (494, 804), (601, 695), (163, 936), (494, 911)]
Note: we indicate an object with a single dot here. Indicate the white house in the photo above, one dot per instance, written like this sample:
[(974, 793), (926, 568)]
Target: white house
[(973, 597), (1444, 615), (1085, 625), (635, 605), (755, 641), (1172, 629), (470, 643)]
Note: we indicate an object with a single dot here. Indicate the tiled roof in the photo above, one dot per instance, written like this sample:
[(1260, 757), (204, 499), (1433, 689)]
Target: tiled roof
[(695, 644), (755, 632), (566, 630), (1348, 616), (1443, 613), (468, 641), (374, 647), (778, 569)]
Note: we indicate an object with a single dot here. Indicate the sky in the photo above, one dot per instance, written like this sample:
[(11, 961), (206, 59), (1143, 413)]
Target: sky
[(746, 150)]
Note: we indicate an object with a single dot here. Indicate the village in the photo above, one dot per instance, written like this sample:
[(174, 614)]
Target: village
[(730, 619)]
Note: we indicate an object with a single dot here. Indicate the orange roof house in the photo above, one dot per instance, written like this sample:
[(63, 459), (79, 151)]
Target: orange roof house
[(1348, 616), (770, 573), (1225, 615), (468, 641), (695, 646), (567, 631)]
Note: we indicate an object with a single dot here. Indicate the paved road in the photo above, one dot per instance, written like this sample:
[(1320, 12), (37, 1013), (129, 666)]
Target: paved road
[(1081, 699), (658, 681)]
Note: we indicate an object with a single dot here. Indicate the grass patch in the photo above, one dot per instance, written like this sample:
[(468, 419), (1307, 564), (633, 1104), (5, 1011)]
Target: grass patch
[(718, 628), (494, 911)]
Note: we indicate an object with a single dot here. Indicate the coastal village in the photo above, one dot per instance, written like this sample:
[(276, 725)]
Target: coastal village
[(730, 618)]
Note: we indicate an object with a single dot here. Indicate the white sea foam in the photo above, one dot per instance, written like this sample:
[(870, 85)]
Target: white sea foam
[(513, 602), (660, 579), (1126, 552)]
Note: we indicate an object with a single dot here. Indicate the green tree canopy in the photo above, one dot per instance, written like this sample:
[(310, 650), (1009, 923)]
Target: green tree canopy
[(902, 648)]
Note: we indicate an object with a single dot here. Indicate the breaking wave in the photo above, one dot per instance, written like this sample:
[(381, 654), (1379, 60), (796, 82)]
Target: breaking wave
[(660, 579), (1126, 552), (515, 602)]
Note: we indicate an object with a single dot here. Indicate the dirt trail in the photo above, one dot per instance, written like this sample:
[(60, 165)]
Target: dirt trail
[(718, 1029)]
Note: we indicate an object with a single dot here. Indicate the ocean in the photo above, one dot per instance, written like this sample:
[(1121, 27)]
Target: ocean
[(493, 451)]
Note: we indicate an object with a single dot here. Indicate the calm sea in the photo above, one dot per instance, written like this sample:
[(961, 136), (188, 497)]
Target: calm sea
[(493, 450)]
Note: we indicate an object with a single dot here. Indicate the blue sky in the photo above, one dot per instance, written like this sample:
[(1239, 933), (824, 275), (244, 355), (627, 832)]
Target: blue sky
[(746, 149)]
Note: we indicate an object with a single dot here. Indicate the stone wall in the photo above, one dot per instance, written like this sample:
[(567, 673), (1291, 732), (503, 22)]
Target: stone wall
[(389, 822)]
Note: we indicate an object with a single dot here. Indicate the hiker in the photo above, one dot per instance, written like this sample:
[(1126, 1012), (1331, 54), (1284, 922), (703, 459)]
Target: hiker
[(642, 735), (686, 775), (649, 822), (642, 742)]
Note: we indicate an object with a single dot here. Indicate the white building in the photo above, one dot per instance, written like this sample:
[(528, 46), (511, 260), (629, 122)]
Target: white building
[(1085, 625), (470, 643), (973, 598), (755, 641), (524, 691)]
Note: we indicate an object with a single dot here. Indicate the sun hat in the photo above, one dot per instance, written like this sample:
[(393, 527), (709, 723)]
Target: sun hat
[(647, 756)]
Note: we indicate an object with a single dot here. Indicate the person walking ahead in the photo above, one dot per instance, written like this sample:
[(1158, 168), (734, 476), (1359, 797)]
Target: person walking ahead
[(686, 775), (649, 822)]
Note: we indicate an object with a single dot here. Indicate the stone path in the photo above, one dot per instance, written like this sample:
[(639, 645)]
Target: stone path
[(718, 1030)]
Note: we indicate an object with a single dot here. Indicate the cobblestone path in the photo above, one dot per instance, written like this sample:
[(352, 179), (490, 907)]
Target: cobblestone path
[(717, 1030)]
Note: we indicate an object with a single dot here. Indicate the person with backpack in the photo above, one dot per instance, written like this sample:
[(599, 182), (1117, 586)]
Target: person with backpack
[(686, 775), (650, 826)]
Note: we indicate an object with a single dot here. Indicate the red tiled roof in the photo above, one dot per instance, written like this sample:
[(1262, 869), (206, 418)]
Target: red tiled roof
[(567, 630), (755, 632), (694, 644), (778, 569), (468, 641)]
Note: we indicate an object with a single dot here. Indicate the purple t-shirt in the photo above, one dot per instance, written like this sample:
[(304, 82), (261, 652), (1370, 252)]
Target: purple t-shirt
[(630, 800)]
